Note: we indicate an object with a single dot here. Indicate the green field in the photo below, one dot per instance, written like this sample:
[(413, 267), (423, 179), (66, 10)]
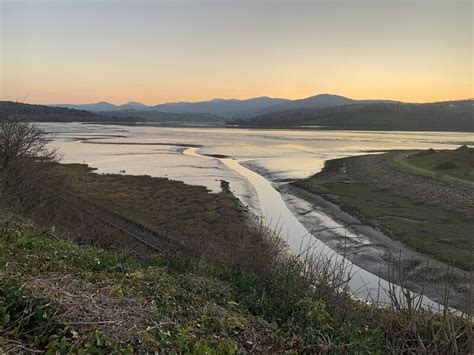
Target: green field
[(452, 165)]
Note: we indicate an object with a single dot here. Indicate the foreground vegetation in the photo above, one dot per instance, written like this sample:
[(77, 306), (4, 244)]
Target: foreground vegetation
[(59, 296), (146, 304)]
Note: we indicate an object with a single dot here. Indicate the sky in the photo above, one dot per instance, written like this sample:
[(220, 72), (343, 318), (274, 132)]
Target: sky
[(166, 51)]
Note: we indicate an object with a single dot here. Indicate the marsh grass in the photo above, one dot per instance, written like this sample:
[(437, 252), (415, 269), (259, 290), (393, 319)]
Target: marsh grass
[(427, 228)]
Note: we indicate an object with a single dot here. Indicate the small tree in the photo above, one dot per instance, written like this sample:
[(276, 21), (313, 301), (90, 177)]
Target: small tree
[(26, 175), (22, 141)]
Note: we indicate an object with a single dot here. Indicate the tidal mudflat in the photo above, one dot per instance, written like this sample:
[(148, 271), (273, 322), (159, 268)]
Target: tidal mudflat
[(280, 156)]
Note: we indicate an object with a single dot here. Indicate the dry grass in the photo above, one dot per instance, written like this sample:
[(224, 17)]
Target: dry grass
[(213, 225), (87, 308)]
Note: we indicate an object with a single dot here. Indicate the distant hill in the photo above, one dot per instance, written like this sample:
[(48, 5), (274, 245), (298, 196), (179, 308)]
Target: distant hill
[(440, 116), (104, 106), (313, 102), (318, 102), (222, 107), (229, 108), (41, 113), (325, 110), (99, 106), (133, 105)]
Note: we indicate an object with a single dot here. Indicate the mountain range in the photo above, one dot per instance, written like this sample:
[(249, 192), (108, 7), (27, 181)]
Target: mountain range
[(228, 108), (321, 111)]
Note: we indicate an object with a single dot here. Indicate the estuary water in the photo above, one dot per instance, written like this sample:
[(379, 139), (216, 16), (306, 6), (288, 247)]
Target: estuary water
[(255, 162), (278, 155)]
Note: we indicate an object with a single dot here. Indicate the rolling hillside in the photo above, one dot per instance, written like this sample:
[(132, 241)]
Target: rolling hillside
[(220, 107), (440, 116), (226, 108), (41, 113), (104, 106)]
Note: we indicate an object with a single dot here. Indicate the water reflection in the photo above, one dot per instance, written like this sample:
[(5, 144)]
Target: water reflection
[(278, 154)]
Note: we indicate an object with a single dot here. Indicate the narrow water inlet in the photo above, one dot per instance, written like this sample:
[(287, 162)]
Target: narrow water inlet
[(362, 284)]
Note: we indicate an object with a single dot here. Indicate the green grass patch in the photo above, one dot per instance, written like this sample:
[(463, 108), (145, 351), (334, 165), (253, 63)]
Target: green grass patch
[(455, 164)]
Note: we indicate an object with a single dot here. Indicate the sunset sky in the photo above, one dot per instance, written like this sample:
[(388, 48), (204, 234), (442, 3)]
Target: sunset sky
[(161, 51)]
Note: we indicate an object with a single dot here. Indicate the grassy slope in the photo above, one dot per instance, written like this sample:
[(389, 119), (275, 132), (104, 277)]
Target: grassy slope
[(41, 113), (430, 229), (430, 163), (189, 309), (202, 310)]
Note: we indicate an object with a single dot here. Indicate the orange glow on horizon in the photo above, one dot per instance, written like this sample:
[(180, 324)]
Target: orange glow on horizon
[(118, 98), (158, 52)]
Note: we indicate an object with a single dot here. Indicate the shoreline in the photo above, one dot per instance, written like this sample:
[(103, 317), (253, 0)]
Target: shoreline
[(366, 247), (368, 244), (377, 253)]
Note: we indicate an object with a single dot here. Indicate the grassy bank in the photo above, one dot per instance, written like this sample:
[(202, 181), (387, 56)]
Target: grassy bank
[(425, 224), (452, 165), (57, 295)]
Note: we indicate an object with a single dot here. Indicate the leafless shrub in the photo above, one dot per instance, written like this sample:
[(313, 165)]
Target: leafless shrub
[(412, 327), (25, 165), (21, 140)]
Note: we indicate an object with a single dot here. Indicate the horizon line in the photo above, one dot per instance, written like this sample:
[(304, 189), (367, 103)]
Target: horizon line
[(232, 99)]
